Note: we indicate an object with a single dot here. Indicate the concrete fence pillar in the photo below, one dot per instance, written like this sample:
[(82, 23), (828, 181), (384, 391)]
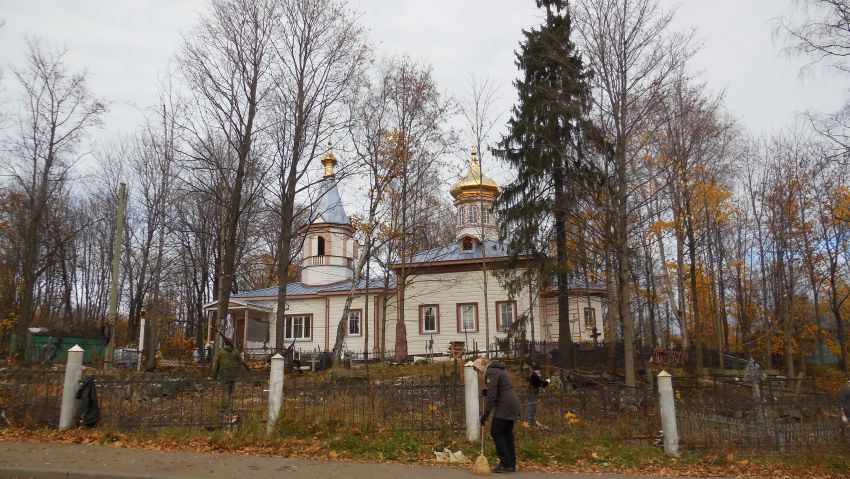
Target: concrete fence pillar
[(668, 413), (73, 373), (470, 398), (275, 391)]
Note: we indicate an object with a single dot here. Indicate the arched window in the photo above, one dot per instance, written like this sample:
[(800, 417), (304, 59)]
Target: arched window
[(485, 215), (473, 215), (321, 246), (460, 216)]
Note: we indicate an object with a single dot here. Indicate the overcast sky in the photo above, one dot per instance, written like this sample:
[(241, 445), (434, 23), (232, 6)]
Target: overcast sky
[(125, 44)]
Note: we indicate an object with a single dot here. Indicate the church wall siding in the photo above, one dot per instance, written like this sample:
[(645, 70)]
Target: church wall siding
[(326, 321), (447, 290), (577, 305)]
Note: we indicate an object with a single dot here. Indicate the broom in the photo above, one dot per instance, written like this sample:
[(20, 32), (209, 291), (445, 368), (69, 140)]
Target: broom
[(482, 467)]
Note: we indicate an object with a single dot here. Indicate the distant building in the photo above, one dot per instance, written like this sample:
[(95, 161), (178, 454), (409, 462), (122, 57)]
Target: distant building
[(443, 299)]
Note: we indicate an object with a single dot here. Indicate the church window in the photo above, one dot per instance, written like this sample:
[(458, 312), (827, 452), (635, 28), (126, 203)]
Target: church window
[(473, 215), (467, 244), (297, 328), (467, 320), (505, 314), (353, 322), (428, 319), (321, 248), (460, 217), (485, 216), (258, 330), (589, 318)]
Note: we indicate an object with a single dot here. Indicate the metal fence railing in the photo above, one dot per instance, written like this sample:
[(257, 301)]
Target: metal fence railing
[(757, 413), (406, 404), (634, 411), (769, 414), (315, 359), (130, 400), (30, 397), (153, 400)]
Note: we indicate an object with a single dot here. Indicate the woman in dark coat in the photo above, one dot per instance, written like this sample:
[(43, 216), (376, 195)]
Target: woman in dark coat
[(503, 402)]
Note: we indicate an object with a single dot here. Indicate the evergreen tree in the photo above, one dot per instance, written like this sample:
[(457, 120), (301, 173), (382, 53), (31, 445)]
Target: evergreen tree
[(547, 133)]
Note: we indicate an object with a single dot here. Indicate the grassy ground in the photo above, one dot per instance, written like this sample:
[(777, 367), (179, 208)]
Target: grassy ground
[(584, 448)]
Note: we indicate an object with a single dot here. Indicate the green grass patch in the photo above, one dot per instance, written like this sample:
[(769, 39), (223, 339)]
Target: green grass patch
[(394, 446)]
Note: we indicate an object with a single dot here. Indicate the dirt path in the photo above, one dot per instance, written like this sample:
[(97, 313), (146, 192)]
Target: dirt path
[(49, 460)]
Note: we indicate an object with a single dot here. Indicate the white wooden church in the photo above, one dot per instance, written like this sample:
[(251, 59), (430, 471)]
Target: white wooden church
[(444, 300)]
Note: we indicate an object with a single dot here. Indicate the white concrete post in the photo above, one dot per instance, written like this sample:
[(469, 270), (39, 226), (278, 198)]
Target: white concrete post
[(668, 413), (470, 398), (275, 391), (142, 343), (73, 373)]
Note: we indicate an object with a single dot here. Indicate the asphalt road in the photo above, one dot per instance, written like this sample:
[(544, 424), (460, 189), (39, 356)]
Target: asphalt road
[(52, 461)]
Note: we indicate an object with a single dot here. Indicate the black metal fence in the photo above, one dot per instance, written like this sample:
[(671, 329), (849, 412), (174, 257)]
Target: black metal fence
[(765, 414), (406, 404), (633, 411), (586, 356), (30, 397), (315, 359), (131, 401), (768, 414), (142, 401)]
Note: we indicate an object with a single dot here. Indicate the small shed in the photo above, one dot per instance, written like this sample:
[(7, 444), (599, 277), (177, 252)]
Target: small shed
[(52, 348)]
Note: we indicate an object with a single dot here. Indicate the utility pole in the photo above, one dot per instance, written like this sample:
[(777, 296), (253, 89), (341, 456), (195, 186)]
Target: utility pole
[(116, 263)]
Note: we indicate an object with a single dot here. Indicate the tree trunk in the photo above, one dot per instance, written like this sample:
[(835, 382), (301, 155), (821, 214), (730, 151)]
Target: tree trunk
[(680, 281), (613, 315), (284, 248), (788, 320), (835, 306), (27, 309), (29, 256), (712, 278), (721, 285), (624, 296), (565, 339), (233, 211), (400, 330), (650, 281), (692, 255)]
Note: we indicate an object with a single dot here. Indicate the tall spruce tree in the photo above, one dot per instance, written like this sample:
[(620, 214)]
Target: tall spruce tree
[(546, 136)]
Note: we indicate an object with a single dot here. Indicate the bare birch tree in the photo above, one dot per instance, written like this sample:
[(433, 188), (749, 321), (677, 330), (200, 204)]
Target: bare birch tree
[(417, 126), (57, 110), (319, 53), (226, 62), (632, 52), (373, 146)]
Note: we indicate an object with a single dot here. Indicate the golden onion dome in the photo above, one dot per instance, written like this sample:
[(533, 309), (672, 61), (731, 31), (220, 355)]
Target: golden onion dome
[(329, 160), (474, 184)]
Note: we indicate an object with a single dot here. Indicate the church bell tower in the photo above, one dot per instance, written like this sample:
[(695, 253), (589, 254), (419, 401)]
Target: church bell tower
[(474, 196), (330, 250)]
